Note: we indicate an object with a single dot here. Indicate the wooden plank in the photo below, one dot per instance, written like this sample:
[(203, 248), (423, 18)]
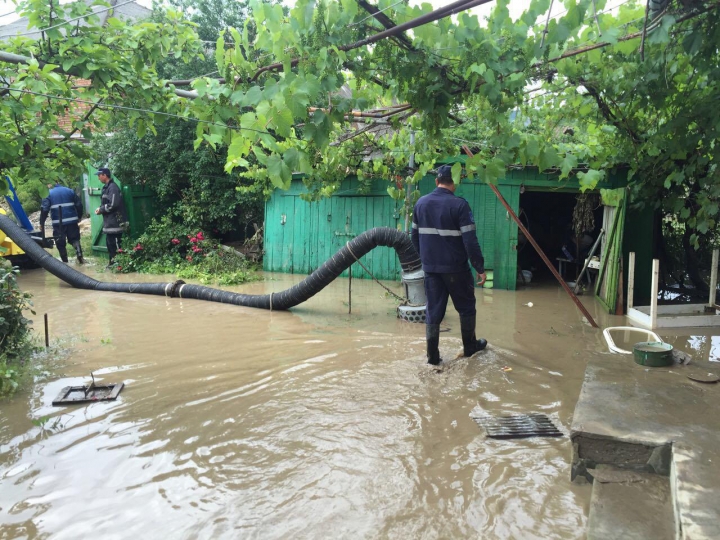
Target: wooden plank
[(615, 285), (300, 233), (512, 241), (337, 226), (608, 251), (504, 278), (322, 230), (489, 210), (311, 240), (270, 236), (383, 211)]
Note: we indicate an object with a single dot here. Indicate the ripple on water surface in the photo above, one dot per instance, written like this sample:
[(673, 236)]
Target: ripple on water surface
[(246, 423)]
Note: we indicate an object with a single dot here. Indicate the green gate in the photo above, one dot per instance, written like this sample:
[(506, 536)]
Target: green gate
[(140, 203)]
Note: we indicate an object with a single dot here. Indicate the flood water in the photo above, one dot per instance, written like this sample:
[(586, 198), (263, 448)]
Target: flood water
[(243, 423)]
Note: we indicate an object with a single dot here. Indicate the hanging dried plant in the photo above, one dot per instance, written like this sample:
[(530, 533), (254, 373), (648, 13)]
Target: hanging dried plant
[(584, 212)]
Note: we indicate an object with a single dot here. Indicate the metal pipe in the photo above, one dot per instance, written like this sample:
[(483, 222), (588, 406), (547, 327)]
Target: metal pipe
[(631, 281), (407, 188), (654, 293), (587, 260), (713, 278), (539, 250)]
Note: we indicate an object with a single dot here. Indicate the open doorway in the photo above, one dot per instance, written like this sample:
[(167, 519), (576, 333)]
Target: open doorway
[(548, 216)]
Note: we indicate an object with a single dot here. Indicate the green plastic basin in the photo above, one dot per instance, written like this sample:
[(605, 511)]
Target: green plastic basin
[(653, 354)]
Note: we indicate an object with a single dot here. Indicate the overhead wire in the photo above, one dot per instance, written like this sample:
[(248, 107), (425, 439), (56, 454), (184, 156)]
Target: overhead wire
[(136, 109)]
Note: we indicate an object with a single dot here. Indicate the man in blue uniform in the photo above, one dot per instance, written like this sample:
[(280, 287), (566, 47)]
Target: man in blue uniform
[(66, 210), (443, 232)]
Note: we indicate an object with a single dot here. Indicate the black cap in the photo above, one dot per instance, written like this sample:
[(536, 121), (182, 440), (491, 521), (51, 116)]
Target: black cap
[(103, 170), (445, 171)]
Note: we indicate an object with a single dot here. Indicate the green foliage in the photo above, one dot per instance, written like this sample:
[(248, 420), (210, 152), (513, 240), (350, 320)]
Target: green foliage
[(191, 186), (287, 86), (191, 183), (171, 248), (15, 339), (118, 59)]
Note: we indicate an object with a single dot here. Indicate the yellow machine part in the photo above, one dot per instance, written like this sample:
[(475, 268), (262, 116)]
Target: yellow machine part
[(7, 246)]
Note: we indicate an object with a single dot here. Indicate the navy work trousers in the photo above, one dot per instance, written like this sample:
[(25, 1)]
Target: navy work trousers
[(67, 232), (113, 243), (459, 286)]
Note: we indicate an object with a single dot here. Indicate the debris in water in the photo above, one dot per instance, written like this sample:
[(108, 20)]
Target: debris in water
[(71, 395), (517, 426), (703, 376)]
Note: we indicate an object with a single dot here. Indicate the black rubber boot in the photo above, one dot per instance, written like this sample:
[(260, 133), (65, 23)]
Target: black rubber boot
[(432, 336), (471, 344), (78, 252), (62, 250)]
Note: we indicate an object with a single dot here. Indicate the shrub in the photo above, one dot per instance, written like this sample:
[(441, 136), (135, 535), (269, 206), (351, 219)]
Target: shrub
[(15, 337), (170, 248)]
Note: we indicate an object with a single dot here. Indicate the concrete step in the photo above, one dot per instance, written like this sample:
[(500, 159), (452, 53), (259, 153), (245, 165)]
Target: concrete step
[(630, 505)]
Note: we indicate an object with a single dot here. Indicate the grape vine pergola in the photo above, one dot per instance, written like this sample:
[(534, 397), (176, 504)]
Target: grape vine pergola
[(318, 88)]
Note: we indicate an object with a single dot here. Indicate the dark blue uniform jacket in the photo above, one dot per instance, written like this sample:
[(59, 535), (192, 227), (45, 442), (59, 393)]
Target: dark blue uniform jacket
[(64, 205), (443, 232)]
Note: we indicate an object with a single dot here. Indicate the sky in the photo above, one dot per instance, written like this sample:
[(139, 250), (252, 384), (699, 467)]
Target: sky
[(516, 8)]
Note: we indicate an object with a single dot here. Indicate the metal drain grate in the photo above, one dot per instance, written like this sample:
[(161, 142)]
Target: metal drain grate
[(517, 426)]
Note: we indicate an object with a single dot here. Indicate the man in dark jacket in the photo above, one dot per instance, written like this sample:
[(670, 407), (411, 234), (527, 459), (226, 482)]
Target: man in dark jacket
[(443, 233), (112, 208), (66, 210)]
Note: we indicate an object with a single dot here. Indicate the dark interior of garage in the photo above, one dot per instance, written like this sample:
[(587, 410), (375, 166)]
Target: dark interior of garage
[(548, 216)]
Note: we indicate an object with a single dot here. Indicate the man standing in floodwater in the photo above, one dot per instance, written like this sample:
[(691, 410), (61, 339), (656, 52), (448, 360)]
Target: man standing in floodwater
[(112, 208), (443, 233), (66, 210)]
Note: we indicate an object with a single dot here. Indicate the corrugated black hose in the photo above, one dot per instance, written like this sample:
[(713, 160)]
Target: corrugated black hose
[(310, 286)]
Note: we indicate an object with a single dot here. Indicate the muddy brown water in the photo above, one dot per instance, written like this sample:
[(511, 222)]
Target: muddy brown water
[(244, 423)]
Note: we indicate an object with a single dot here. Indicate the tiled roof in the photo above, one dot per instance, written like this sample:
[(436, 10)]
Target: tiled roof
[(74, 111)]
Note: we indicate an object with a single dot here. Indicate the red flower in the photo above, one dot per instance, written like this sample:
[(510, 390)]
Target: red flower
[(190, 236), (189, 257), (175, 241), (193, 240), (120, 251), (196, 249), (119, 268), (138, 247), (200, 236)]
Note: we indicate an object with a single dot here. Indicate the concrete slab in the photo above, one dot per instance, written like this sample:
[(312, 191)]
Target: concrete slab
[(636, 507), (655, 420)]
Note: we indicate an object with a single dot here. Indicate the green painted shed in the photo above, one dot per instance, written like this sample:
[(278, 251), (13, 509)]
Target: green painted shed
[(301, 235)]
